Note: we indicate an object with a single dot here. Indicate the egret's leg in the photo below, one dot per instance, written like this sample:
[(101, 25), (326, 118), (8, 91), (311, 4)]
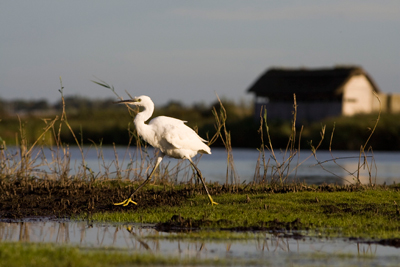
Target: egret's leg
[(129, 200), (202, 181)]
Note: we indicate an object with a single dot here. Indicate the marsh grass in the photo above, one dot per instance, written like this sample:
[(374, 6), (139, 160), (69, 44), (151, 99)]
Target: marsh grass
[(267, 202), (280, 169), (223, 133), (30, 254), (366, 158), (29, 160), (39, 161)]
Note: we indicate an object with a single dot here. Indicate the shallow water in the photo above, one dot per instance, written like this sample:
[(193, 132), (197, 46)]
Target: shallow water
[(338, 167), (274, 248)]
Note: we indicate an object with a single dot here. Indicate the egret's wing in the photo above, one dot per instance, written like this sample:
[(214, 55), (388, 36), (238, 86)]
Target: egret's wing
[(174, 133)]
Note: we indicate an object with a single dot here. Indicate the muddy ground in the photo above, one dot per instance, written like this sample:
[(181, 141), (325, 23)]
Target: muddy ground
[(55, 198), (60, 199)]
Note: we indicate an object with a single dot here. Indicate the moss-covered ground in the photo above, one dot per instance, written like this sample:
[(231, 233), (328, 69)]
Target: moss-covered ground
[(361, 212), (367, 213), (358, 211)]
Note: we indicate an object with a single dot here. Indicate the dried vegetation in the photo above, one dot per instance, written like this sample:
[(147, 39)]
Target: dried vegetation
[(33, 183)]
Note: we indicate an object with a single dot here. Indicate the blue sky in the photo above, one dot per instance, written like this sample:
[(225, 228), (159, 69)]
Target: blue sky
[(187, 50)]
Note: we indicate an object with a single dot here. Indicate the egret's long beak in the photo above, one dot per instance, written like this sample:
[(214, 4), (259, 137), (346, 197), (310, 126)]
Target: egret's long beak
[(126, 101)]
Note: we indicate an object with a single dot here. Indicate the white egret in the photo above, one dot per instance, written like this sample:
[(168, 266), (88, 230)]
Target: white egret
[(171, 136)]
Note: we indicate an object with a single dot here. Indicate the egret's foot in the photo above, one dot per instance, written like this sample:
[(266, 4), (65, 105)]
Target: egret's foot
[(125, 202), (212, 201)]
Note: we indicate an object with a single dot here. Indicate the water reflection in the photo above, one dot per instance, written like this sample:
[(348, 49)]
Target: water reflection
[(144, 238)]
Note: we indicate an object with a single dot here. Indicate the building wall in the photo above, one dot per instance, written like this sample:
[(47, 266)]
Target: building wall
[(389, 103), (394, 105), (383, 103), (357, 96), (306, 111)]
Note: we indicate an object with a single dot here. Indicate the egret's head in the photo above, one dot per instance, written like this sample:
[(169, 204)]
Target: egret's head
[(141, 101)]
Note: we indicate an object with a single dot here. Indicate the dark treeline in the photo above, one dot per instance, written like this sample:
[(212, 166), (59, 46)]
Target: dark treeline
[(103, 122)]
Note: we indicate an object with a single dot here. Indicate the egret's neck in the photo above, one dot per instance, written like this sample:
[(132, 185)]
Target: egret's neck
[(141, 118)]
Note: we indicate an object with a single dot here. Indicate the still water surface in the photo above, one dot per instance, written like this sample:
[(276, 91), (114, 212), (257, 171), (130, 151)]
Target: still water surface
[(381, 167), (274, 248)]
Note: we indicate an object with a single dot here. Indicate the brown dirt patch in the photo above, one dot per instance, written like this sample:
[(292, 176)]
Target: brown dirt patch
[(23, 198), (48, 198)]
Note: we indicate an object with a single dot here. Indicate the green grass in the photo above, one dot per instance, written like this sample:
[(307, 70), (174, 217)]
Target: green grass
[(368, 213), (39, 254)]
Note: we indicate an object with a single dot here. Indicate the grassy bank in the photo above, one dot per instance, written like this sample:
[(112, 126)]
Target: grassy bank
[(331, 211), (360, 211)]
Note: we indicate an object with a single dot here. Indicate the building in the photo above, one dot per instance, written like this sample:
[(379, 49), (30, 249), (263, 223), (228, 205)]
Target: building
[(320, 93)]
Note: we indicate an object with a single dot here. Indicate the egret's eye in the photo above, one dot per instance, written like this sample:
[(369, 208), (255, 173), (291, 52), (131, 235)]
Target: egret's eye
[(139, 99)]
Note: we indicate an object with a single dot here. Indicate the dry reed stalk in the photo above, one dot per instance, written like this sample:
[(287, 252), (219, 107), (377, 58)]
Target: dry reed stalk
[(65, 120), (261, 152), (362, 158), (281, 171), (224, 134)]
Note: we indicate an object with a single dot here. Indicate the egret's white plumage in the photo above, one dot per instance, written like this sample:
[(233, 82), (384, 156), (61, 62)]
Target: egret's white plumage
[(171, 136)]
